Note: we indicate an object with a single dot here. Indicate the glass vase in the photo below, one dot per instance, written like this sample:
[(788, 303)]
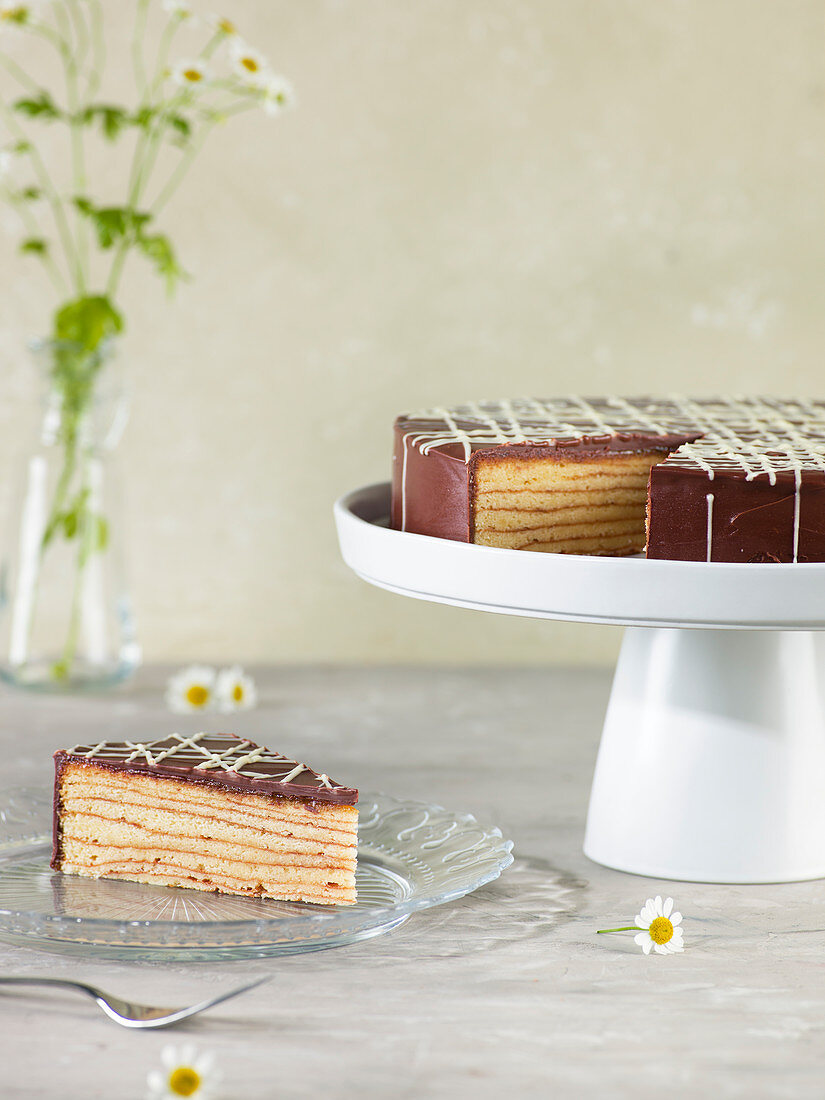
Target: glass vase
[(67, 622)]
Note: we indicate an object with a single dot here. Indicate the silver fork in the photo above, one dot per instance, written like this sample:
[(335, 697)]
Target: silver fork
[(133, 1015)]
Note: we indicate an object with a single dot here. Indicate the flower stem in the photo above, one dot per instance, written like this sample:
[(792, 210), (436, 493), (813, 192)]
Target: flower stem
[(19, 75), (137, 47), (63, 667), (624, 928), (48, 188), (70, 64), (180, 170), (98, 49)]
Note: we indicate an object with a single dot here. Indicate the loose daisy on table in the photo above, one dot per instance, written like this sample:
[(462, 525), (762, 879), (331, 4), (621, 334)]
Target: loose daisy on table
[(234, 690), (185, 1073), (190, 73), (191, 689), (660, 928)]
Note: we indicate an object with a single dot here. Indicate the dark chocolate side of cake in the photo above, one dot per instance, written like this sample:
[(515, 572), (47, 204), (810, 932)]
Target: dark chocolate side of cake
[(430, 493), (217, 760), (731, 519)]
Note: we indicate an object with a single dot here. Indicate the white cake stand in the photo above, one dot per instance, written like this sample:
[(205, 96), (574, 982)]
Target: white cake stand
[(712, 760)]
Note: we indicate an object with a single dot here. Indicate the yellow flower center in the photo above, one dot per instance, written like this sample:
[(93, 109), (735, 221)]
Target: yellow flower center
[(237, 693), (184, 1081), (197, 696), (194, 75), (225, 26), (250, 64), (661, 930)]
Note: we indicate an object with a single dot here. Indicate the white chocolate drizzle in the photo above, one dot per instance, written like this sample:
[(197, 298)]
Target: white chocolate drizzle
[(197, 752)]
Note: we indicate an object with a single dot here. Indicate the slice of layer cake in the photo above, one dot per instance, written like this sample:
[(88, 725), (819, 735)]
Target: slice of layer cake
[(207, 812)]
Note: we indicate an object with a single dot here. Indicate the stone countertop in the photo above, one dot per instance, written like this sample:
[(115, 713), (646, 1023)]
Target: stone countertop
[(506, 991)]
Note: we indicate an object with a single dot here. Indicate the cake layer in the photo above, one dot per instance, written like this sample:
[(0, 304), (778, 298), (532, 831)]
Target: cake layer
[(621, 492), (619, 545), (517, 519), (583, 512), (150, 826)]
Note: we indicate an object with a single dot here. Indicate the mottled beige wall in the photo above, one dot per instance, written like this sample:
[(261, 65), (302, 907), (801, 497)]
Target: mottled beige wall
[(475, 198)]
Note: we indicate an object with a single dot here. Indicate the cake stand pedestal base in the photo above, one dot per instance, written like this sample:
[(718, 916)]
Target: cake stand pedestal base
[(712, 761)]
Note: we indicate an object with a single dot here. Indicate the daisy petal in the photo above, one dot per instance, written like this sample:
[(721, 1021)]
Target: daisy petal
[(675, 918), (642, 923), (646, 946), (667, 908), (641, 938), (658, 905), (661, 949), (169, 1057)]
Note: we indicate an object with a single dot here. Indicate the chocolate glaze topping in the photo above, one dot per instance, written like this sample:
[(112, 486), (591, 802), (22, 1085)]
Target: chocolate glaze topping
[(218, 760)]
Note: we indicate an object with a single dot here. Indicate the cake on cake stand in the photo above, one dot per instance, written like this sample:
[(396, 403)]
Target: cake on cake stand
[(712, 760)]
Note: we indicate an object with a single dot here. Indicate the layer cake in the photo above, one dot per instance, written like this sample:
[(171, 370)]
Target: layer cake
[(207, 812), (694, 479)]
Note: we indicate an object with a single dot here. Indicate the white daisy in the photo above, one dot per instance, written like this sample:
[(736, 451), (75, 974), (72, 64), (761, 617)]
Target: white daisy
[(177, 7), (220, 25), (191, 689), (184, 1073), (250, 65), (235, 690), (189, 74), (279, 95), (660, 927)]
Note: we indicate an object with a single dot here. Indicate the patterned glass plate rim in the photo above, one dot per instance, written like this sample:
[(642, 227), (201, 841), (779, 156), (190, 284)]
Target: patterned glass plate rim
[(411, 856)]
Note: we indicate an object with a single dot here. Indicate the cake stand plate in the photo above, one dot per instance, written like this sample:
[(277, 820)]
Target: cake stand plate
[(712, 761)]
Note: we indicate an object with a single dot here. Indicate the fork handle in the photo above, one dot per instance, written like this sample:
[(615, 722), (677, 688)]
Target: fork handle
[(64, 983)]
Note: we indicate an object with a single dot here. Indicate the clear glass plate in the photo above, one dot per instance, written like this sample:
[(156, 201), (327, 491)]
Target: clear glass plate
[(410, 856)]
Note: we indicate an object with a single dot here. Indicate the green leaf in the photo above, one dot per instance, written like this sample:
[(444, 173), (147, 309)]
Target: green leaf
[(101, 534), (178, 124), (87, 321), (157, 248), (182, 127), (40, 106), (112, 118), (144, 117), (112, 223), (35, 245), (70, 524)]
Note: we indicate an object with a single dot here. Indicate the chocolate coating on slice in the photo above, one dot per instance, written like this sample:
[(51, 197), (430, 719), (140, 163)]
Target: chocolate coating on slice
[(222, 760)]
